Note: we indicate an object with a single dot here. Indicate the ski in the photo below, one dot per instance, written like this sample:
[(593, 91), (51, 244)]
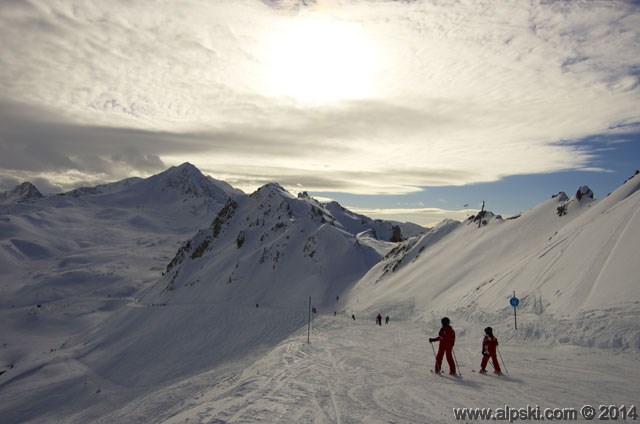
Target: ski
[(490, 373), (442, 373)]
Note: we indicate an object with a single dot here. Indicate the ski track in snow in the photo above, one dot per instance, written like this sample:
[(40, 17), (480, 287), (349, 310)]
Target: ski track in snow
[(355, 372), (617, 237), (68, 355)]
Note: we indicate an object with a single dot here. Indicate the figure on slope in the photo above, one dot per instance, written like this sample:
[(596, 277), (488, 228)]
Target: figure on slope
[(447, 338), (489, 348)]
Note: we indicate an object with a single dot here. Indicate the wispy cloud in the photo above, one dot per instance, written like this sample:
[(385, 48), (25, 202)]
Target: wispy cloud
[(427, 217), (462, 93)]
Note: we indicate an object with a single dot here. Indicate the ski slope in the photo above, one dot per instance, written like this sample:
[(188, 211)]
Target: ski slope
[(356, 372), (91, 332)]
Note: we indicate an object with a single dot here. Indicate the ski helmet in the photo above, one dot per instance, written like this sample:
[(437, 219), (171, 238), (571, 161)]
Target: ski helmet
[(445, 321), (488, 331)]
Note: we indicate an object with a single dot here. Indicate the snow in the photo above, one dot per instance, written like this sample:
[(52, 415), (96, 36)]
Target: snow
[(358, 372), (561, 267), (95, 327), (21, 193), (357, 223)]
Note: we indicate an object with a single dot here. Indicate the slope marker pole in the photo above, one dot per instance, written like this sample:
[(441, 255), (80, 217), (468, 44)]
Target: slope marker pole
[(309, 323)]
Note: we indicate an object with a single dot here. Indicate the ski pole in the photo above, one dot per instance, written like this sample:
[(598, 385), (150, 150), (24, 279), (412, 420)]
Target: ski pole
[(456, 359), (503, 364), (434, 353)]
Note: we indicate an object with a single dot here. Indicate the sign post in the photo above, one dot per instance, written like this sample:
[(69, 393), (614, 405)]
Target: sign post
[(514, 301), (309, 323), (480, 215)]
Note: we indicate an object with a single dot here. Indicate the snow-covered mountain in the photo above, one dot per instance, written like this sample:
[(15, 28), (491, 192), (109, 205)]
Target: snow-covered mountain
[(184, 182), (110, 231), (21, 193), (255, 266), (384, 230), (572, 261), (267, 247), (178, 189), (103, 188), (91, 332)]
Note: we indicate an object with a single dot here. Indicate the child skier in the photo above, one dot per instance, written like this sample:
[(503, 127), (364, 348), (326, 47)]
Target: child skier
[(489, 348), (447, 338)]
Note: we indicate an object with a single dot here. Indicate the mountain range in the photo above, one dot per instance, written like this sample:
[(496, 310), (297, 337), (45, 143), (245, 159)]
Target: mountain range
[(145, 287)]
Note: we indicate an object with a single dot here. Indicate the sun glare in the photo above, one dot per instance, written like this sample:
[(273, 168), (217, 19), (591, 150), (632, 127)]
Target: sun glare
[(320, 60)]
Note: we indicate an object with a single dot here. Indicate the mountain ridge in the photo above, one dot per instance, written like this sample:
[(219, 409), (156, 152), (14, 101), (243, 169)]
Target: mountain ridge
[(560, 265), (21, 193)]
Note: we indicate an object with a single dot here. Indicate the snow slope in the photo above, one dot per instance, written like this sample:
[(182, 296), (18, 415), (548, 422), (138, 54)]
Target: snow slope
[(384, 230), (21, 193), (268, 247), (350, 372), (68, 262), (221, 336), (356, 372), (575, 274), (65, 227)]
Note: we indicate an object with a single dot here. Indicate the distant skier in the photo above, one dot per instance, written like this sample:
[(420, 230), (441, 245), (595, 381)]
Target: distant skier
[(353, 317), (489, 348), (447, 338), (379, 319), (386, 319)]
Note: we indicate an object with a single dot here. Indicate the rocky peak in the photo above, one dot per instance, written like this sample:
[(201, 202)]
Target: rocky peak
[(21, 193)]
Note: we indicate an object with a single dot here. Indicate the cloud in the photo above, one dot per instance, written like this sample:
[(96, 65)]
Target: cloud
[(462, 93), (35, 143), (427, 217)]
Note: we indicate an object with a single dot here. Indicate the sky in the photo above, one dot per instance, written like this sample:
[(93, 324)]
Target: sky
[(404, 110)]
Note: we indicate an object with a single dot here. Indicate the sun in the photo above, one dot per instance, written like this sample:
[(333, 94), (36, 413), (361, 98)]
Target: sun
[(320, 60)]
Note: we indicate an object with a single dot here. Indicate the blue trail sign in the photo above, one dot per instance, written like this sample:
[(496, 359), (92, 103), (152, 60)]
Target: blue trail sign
[(514, 301)]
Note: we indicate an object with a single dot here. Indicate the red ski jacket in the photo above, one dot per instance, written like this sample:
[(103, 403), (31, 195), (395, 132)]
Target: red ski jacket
[(489, 345), (446, 336)]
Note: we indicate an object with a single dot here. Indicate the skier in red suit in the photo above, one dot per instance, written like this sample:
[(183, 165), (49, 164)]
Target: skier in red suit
[(489, 348), (447, 338)]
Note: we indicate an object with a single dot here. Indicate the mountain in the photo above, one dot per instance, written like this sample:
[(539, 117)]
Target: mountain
[(570, 261), (21, 193), (267, 247), (112, 238), (255, 265), (103, 188), (182, 188), (384, 230), (93, 333)]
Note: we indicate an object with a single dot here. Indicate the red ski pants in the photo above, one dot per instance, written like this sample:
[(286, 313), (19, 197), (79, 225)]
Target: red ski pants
[(494, 361), (448, 350)]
